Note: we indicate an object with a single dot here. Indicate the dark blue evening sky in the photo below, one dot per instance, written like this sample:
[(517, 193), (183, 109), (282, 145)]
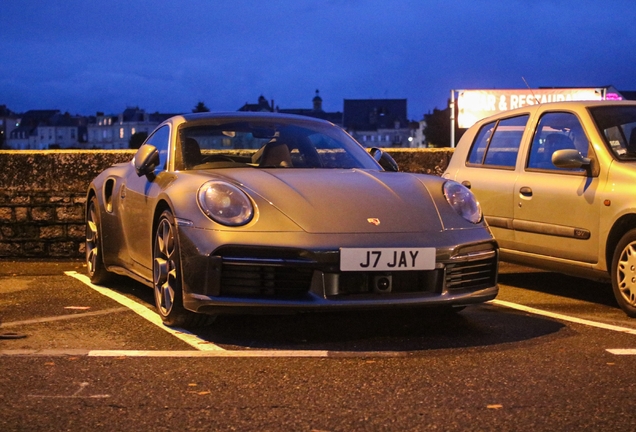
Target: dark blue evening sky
[(84, 56)]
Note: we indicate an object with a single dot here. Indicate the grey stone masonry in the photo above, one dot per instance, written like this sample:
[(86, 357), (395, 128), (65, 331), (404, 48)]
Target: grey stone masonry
[(42, 199), (43, 195)]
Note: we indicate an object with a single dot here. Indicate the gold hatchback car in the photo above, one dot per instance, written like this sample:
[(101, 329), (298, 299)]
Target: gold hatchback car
[(557, 185)]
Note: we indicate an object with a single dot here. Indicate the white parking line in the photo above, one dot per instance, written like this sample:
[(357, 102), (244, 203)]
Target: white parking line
[(225, 353), (148, 314), (615, 351), (200, 354), (622, 351), (209, 349), (564, 317), (64, 317)]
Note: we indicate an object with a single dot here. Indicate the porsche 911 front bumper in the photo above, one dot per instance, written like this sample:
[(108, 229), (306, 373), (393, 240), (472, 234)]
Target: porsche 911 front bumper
[(247, 274)]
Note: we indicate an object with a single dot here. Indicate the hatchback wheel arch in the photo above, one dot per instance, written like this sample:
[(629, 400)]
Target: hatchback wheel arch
[(623, 273)]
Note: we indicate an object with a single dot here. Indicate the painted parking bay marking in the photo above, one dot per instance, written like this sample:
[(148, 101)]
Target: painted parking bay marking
[(203, 345), (622, 351), (615, 351), (149, 315)]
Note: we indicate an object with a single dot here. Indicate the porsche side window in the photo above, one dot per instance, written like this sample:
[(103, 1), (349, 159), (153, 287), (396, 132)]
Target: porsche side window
[(497, 143), (557, 131), (161, 140)]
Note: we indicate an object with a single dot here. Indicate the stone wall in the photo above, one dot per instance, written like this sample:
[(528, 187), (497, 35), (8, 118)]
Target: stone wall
[(43, 194)]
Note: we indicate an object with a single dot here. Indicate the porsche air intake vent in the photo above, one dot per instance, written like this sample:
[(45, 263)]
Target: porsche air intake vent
[(465, 273), (264, 280)]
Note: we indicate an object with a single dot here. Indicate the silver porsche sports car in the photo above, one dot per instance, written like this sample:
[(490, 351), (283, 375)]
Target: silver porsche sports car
[(251, 212)]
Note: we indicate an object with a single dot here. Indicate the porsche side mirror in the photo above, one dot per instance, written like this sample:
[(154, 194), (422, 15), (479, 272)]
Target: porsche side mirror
[(384, 159), (146, 160), (570, 159)]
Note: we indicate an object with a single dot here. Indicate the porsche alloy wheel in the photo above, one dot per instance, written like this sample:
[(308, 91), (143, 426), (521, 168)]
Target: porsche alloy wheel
[(167, 277), (94, 260), (624, 273)]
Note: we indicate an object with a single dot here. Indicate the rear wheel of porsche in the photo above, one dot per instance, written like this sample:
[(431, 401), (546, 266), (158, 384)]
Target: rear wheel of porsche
[(624, 273), (167, 278), (94, 259)]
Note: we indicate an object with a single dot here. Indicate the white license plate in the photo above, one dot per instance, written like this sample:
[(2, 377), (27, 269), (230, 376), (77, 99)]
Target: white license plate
[(387, 259)]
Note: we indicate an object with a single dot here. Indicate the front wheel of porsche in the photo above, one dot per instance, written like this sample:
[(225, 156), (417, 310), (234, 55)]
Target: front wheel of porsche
[(94, 259), (624, 273), (167, 277)]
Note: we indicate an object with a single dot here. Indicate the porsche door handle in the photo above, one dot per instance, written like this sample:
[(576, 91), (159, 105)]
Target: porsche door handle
[(526, 191), (467, 184)]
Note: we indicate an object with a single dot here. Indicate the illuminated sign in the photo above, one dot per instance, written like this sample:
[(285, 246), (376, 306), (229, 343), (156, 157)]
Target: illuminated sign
[(474, 105)]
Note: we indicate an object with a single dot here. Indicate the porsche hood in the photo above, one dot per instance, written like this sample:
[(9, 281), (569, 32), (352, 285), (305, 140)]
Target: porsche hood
[(345, 200)]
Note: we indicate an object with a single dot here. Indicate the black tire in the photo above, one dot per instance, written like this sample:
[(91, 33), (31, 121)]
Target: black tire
[(624, 273), (166, 270), (94, 259)]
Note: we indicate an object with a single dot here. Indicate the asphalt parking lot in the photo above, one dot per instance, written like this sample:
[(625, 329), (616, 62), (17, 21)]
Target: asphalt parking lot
[(541, 357), (64, 299)]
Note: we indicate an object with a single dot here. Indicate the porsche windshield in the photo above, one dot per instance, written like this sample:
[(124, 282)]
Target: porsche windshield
[(268, 144)]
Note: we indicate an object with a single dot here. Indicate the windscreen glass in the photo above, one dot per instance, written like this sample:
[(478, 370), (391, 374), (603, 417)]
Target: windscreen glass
[(268, 144), (617, 125)]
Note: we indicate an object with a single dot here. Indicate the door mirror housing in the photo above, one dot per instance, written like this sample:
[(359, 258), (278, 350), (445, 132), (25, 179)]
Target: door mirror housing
[(573, 159), (384, 159), (146, 160), (569, 159)]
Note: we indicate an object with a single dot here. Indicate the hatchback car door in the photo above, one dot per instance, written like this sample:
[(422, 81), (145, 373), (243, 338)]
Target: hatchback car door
[(490, 172), (138, 196), (556, 211)]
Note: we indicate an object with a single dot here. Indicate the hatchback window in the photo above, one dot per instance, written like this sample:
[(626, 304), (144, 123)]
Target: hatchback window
[(617, 125), (557, 131), (497, 143)]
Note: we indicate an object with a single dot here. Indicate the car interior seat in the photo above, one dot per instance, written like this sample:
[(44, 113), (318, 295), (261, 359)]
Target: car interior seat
[(557, 141), (275, 154), (191, 153), (554, 142)]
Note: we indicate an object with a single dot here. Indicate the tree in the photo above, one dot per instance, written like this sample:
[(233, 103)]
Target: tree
[(437, 130), (200, 107), (137, 139)]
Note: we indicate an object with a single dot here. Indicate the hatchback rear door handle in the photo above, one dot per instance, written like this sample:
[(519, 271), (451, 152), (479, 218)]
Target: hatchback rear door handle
[(466, 183), (526, 191)]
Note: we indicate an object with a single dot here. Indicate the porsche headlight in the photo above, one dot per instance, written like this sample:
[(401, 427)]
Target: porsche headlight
[(225, 203), (463, 201)]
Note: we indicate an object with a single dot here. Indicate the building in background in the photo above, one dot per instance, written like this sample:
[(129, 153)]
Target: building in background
[(379, 122), (47, 129), (315, 111), (261, 106), (419, 139), (114, 131), (8, 122)]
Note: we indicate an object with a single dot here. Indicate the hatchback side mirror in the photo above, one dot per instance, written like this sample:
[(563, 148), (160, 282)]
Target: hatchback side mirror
[(384, 159), (146, 160), (570, 159)]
